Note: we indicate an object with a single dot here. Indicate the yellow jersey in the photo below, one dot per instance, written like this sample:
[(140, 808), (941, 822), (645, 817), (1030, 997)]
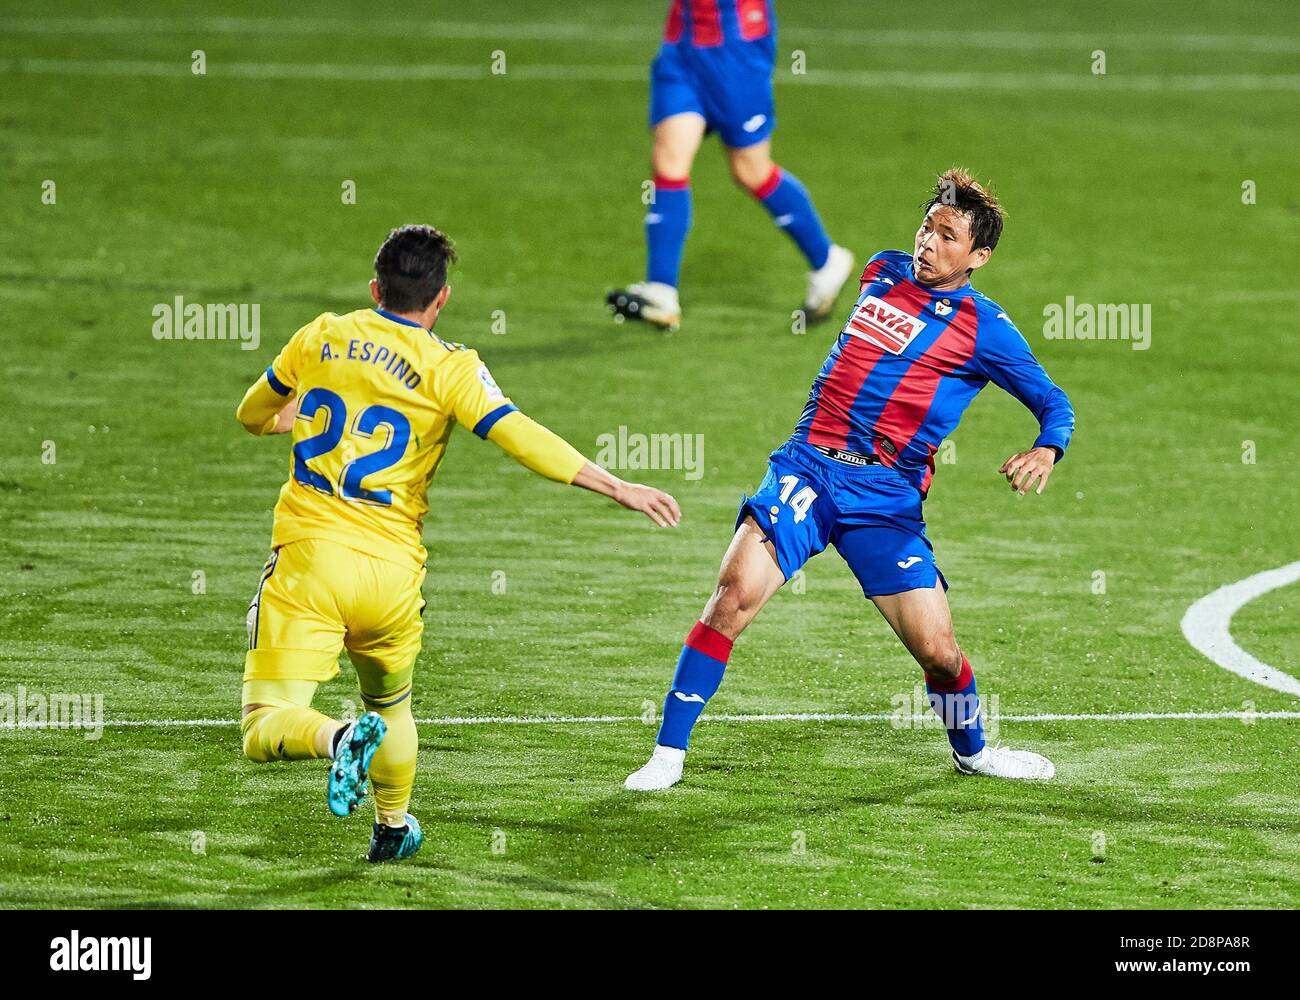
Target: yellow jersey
[(378, 396)]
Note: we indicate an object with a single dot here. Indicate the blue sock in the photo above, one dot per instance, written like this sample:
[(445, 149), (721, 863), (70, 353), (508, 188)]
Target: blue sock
[(666, 225), (699, 672), (792, 209), (957, 704)]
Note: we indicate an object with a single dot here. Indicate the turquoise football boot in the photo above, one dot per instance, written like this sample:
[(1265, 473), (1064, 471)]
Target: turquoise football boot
[(352, 754), (388, 843)]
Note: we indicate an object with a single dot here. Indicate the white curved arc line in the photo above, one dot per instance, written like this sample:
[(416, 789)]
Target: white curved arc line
[(1207, 627)]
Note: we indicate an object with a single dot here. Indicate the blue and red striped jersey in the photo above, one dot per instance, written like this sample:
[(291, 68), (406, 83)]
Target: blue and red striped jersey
[(712, 23), (909, 361)]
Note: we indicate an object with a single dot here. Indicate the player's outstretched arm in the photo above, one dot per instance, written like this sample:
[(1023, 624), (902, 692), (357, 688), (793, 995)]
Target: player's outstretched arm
[(546, 453), (1004, 357)]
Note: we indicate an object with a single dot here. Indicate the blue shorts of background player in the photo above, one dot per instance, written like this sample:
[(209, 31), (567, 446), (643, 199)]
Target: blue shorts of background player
[(729, 86), (870, 514)]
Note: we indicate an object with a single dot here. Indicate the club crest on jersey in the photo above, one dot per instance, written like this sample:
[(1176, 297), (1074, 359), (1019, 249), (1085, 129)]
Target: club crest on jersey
[(884, 325), (943, 307)]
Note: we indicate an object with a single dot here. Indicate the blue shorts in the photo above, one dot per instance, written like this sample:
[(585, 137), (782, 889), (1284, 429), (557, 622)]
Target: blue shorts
[(871, 514), (730, 86)]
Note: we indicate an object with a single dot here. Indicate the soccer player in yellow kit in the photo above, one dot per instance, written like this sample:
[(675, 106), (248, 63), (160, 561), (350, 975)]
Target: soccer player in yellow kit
[(371, 398)]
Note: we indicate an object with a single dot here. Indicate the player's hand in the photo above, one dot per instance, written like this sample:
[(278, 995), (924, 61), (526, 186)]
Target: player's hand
[(284, 421), (655, 504), (1023, 469)]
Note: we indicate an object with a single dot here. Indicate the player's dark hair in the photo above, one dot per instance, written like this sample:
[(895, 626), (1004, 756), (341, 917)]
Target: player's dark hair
[(412, 267), (956, 187)]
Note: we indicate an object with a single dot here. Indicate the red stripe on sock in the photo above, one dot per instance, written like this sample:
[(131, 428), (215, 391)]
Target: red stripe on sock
[(669, 184), (953, 686), (709, 641), (768, 186)]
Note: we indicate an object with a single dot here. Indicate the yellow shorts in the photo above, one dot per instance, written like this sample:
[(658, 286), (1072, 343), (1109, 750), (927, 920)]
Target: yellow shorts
[(317, 598)]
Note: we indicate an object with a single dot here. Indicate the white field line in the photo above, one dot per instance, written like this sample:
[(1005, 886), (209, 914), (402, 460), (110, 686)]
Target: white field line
[(903, 721), (642, 34), (1207, 625), (852, 79)]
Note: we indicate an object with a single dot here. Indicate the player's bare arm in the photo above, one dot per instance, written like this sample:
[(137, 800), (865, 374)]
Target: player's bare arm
[(546, 453), (655, 504)]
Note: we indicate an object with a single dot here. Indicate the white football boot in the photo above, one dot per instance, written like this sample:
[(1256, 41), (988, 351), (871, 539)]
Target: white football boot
[(1003, 762), (662, 770), (825, 283), (651, 301)]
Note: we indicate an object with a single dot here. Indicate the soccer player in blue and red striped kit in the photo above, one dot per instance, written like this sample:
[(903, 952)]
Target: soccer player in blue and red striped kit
[(918, 346), (714, 74)]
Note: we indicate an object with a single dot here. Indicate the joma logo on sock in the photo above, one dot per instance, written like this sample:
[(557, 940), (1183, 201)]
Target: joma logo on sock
[(109, 954), (651, 451)]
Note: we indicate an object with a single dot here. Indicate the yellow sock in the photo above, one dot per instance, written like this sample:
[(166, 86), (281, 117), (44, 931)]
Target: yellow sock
[(291, 733), (392, 771)]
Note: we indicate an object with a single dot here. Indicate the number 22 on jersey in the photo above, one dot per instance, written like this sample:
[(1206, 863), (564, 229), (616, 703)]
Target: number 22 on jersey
[(366, 425)]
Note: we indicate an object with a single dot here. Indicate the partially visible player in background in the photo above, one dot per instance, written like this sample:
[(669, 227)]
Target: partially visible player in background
[(372, 397), (714, 74)]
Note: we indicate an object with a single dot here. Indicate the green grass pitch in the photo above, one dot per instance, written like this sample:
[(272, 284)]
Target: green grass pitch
[(123, 473)]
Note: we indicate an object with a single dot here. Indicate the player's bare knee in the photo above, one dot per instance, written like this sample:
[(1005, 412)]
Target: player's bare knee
[(722, 608), (670, 162), (749, 172), (731, 607), (940, 660)]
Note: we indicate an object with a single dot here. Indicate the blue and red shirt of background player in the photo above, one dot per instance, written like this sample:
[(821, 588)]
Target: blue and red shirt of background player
[(713, 23)]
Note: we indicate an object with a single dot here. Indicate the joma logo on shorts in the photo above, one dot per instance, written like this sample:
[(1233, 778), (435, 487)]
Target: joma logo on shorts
[(884, 325)]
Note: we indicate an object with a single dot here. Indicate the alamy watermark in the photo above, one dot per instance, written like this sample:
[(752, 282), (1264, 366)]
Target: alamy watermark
[(31, 710), (916, 709), (1129, 321), (634, 450), (75, 953), (179, 320)]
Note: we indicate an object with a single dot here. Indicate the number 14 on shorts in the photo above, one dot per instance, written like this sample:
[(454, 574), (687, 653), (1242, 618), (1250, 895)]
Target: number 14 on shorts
[(798, 502)]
